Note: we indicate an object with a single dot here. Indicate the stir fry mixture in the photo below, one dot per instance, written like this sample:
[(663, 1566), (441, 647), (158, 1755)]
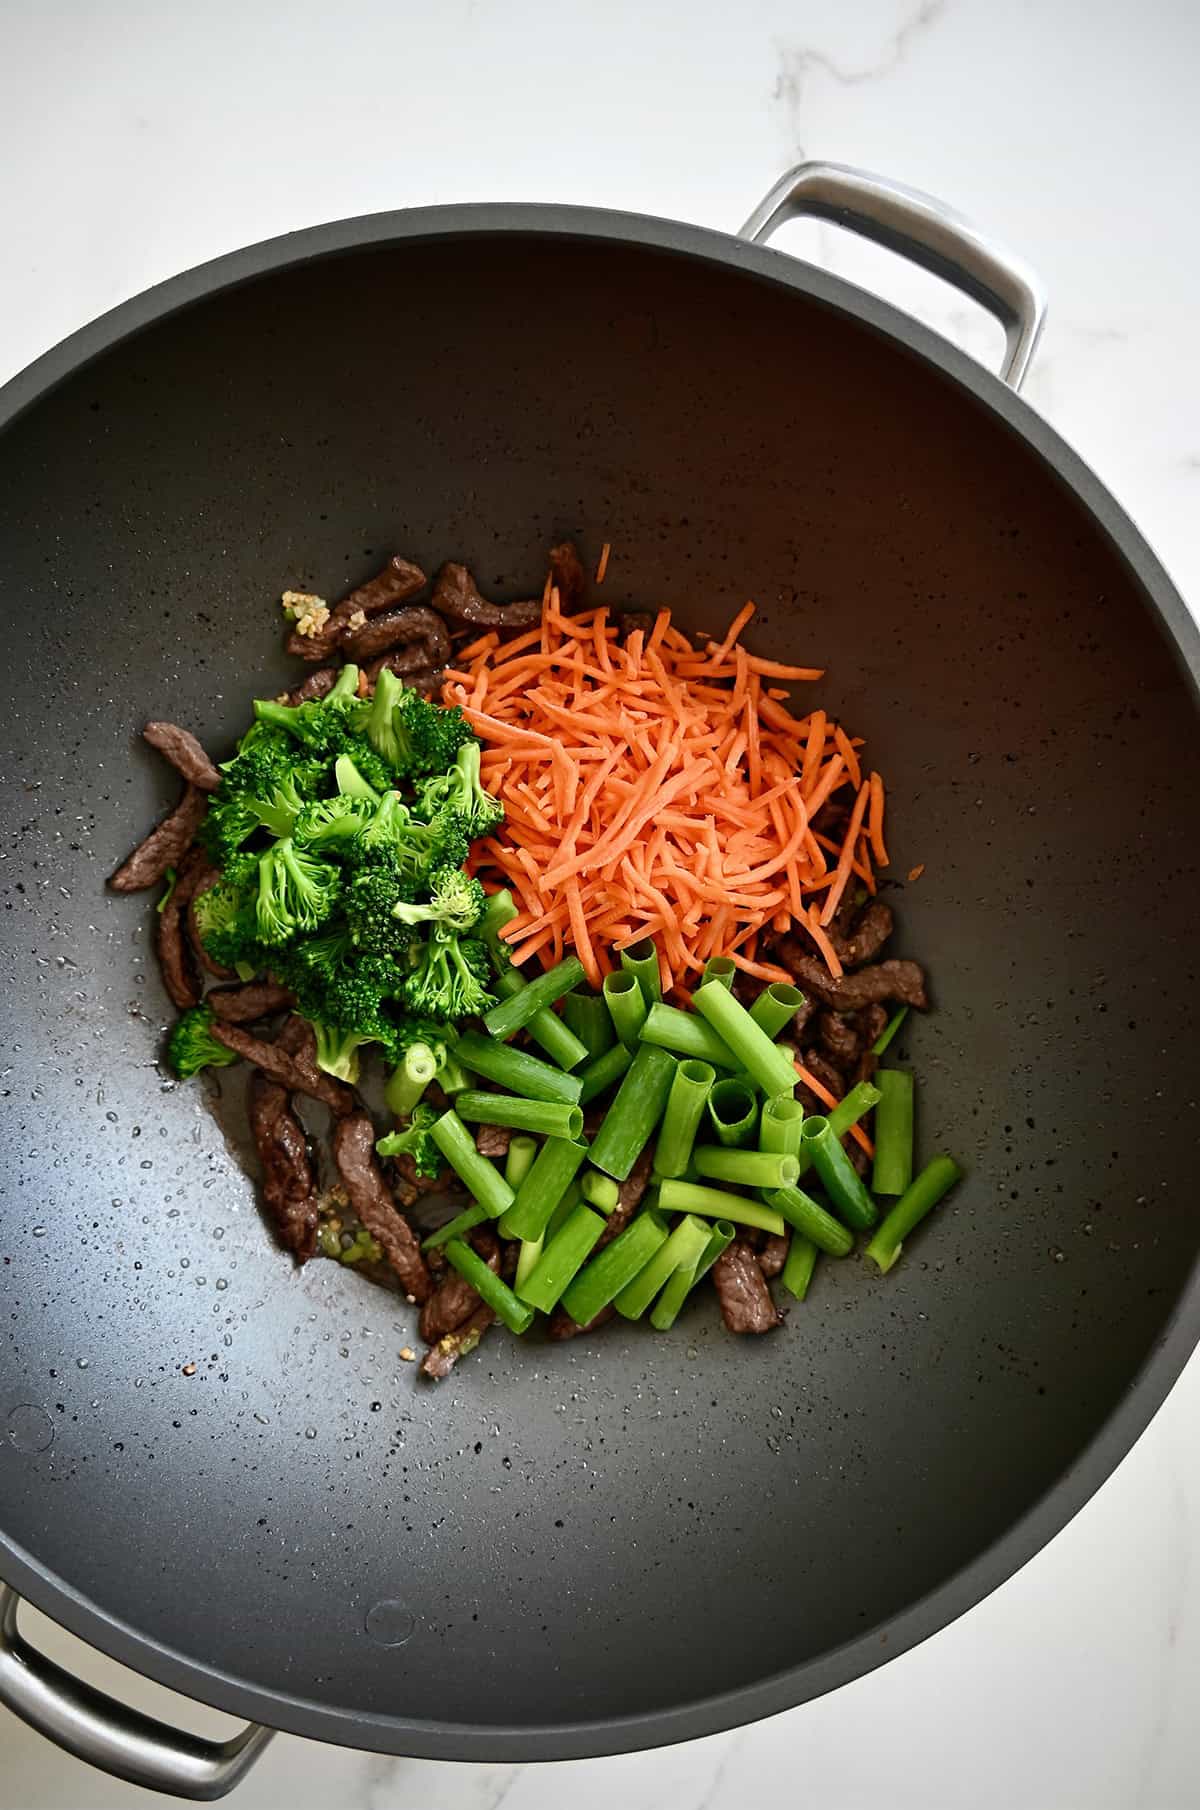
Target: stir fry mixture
[(605, 906)]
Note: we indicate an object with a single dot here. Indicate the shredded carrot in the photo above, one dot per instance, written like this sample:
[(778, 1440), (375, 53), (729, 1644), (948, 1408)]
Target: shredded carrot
[(602, 564), (914, 873), (875, 821), (831, 1100)]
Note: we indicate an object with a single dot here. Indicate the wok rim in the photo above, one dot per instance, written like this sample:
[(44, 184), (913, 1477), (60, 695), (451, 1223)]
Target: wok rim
[(706, 247)]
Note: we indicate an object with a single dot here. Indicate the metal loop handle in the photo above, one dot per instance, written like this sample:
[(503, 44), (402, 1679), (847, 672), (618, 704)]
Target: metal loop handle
[(924, 230), (110, 1735)]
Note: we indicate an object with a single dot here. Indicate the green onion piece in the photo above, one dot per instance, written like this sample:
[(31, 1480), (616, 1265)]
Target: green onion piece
[(410, 1078), (586, 1016), (618, 1263), (935, 1179), (491, 1289), (893, 1132), (641, 960), (626, 1006), (812, 1222), (680, 1285), (686, 1035), (682, 1250), (799, 1265), (840, 1179), (733, 1109), (563, 1256), (600, 1191), (604, 1072), (572, 1194), (776, 1006), (630, 1121), (527, 1257), (556, 1164), (889, 1031), (545, 1027), (720, 969), (780, 1125), (771, 1066), (483, 1180), (856, 1105), (500, 909), (516, 1070), (549, 1118), (716, 1203), (745, 1168), (466, 1221), (521, 1152), (681, 1118), (513, 1013), (350, 782)]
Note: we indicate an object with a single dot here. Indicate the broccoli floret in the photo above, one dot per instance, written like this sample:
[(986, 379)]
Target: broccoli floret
[(296, 891), (415, 848), (461, 792), (455, 901), (192, 1045), (266, 783), (415, 1141), (422, 738), (449, 977), (225, 915), (351, 783), (369, 765), (380, 726), (320, 724), (331, 824), (371, 895), (337, 1051)]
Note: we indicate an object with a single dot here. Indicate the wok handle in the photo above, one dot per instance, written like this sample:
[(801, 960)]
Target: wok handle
[(924, 230), (110, 1735)]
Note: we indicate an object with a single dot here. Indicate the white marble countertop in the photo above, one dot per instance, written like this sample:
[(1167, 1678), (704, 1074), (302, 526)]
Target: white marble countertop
[(141, 138)]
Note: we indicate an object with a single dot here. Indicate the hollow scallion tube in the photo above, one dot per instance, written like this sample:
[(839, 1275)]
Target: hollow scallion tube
[(563, 1256), (618, 1263), (545, 1027), (935, 1179), (463, 1222), (557, 1163), (626, 1005), (745, 1168), (409, 1079), (717, 1203), (681, 1117), (893, 1131), (889, 1030), (630, 1121), (811, 1220), (549, 1118), (483, 1180), (514, 1013), (845, 1187), (854, 1106), (604, 1072), (776, 1006), (500, 909), (682, 1250), (492, 1289), (570, 1198), (780, 1125), (519, 1161), (733, 1109), (586, 1015), (679, 1286), (527, 1257), (516, 1070), (754, 1050), (686, 1035), (720, 969), (641, 960), (800, 1263), (600, 1191)]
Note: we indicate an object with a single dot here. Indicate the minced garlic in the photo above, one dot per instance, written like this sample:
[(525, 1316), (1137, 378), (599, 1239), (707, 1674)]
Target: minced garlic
[(310, 612)]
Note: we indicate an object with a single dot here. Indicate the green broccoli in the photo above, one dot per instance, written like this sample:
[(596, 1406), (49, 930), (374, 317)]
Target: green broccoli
[(415, 847), (331, 824), (337, 1051), (415, 1141), (415, 737), (455, 901), (265, 784), (225, 915), (296, 891), (192, 1046), (449, 977), (460, 791), (320, 724), (370, 897)]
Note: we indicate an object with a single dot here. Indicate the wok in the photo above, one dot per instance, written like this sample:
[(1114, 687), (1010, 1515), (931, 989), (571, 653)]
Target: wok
[(629, 1540)]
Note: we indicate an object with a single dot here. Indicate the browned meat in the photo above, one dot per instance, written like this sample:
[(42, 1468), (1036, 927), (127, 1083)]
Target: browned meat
[(255, 999), (317, 685), (872, 1022), (456, 597), (453, 1300), (493, 1140), (294, 1069), (165, 846), (858, 1156), (289, 1189), (746, 1304), (630, 622), (840, 1038), (510, 1256), (629, 1197), (416, 675), (371, 1199), (180, 976), (566, 569), (562, 1326), (869, 932), (773, 1255), (441, 1360), (184, 753), (818, 1064), (415, 625), (398, 581), (409, 1186), (899, 980)]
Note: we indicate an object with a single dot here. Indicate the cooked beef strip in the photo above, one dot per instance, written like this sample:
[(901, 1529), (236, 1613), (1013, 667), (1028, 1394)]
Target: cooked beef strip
[(184, 753), (868, 932), (827, 1073), (562, 1326), (454, 1299), (629, 1197), (421, 630), (296, 1070), (254, 999), (441, 1359), (398, 581), (510, 1256), (801, 1019), (165, 846), (773, 1255), (371, 1199), (872, 1022), (289, 1189), (493, 1140), (317, 685), (746, 1304), (456, 598), (566, 569), (418, 677), (180, 975), (899, 980), (410, 1187), (840, 1038), (858, 1156), (630, 621)]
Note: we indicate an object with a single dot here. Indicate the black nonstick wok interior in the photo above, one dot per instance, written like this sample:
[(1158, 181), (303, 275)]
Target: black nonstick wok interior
[(626, 1526)]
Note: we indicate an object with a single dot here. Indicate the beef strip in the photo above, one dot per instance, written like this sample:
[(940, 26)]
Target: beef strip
[(441, 1360), (510, 1256), (165, 846), (289, 1188), (866, 936), (255, 999), (371, 1199), (180, 975), (858, 1156), (184, 753), (827, 1073), (840, 1038), (454, 1299), (398, 581), (630, 621), (746, 1304), (773, 1255), (410, 1187), (871, 1021), (566, 570), (294, 1069), (562, 1326), (899, 980), (493, 1140), (318, 684), (629, 1197), (456, 598), (417, 676), (422, 631)]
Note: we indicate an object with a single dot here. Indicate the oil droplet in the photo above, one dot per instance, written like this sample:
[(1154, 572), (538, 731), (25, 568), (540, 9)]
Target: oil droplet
[(310, 1432), (389, 1623), (83, 1362), (29, 1428), (39, 1231)]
